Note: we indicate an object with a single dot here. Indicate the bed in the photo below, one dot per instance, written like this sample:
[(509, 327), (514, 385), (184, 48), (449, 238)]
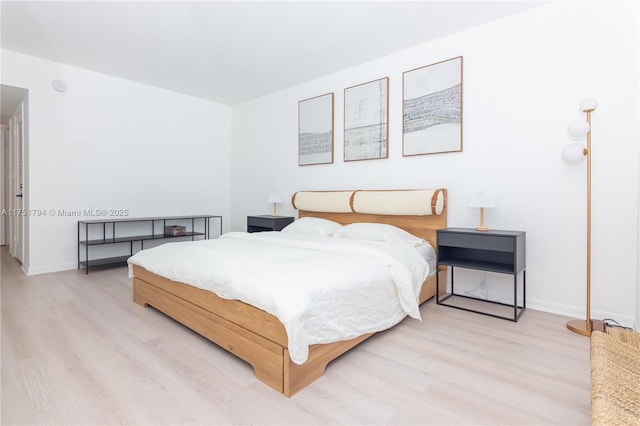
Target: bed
[(260, 338)]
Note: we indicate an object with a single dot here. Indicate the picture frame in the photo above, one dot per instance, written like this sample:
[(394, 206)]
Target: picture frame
[(315, 130), (432, 108), (366, 121)]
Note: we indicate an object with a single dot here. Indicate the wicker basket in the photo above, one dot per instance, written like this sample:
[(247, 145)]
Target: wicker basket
[(615, 377)]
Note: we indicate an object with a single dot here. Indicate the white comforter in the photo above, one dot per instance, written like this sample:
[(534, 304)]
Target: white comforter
[(322, 289)]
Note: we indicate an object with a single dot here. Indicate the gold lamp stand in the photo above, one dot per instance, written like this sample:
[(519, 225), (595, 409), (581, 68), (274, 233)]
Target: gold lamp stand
[(584, 327)]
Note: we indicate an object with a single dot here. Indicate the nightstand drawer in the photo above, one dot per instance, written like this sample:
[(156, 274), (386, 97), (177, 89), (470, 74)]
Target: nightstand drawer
[(476, 241), (263, 222), (267, 223)]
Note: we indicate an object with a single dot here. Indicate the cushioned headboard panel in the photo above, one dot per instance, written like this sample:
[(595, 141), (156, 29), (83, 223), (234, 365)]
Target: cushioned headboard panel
[(410, 202), (323, 201), (418, 202)]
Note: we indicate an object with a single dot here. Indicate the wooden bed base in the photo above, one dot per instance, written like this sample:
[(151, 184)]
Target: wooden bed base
[(254, 335), (247, 332)]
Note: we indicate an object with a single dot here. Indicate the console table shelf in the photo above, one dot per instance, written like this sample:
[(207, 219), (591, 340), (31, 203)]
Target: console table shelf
[(476, 264), (147, 237), (94, 233), (103, 262)]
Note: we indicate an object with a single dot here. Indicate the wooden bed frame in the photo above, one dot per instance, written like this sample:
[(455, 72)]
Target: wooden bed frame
[(256, 336)]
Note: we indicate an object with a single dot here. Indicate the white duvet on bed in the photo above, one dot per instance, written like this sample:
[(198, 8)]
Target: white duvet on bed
[(322, 289)]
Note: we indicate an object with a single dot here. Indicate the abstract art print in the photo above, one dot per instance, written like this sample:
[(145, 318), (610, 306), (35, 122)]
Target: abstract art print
[(366, 117), (315, 130), (432, 108)]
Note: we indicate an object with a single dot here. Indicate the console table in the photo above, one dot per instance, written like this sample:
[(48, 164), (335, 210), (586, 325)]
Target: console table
[(123, 233), (493, 251)]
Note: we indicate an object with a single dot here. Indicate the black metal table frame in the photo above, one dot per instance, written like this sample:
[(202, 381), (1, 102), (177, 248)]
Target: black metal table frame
[(517, 310)]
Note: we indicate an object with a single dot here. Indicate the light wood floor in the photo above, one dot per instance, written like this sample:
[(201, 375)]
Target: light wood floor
[(77, 350)]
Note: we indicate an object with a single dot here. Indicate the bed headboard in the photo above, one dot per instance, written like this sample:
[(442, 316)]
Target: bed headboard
[(421, 212)]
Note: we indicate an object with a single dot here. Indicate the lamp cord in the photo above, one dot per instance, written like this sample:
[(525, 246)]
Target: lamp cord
[(613, 323)]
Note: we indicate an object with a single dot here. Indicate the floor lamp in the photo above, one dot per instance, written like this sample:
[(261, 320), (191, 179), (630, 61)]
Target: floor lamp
[(575, 153)]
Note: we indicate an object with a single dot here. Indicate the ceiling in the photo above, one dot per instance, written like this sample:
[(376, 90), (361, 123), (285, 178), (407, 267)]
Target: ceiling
[(232, 51)]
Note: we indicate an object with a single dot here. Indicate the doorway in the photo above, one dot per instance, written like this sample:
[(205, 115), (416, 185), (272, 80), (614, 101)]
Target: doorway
[(13, 203)]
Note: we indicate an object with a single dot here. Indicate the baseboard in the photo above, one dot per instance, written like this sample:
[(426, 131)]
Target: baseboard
[(49, 269), (579, 312)]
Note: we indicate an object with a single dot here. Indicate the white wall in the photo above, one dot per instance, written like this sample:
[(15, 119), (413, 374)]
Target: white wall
[(524, 77), (109, 143)]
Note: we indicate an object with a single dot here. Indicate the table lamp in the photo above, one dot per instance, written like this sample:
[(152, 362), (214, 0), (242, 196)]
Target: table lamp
[(482, 199), (275, 199)]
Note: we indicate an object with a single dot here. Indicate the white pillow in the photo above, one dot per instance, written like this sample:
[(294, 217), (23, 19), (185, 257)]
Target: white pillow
[(312, 226), (378, 232)]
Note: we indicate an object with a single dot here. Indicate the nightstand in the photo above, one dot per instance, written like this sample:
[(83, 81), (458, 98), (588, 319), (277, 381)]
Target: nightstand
[(267, 223), (493, 251)]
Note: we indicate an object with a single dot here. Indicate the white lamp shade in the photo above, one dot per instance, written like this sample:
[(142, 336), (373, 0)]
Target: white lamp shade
[(274, 198), (578, 129), (482, 199), (573, 153), (589, 104)]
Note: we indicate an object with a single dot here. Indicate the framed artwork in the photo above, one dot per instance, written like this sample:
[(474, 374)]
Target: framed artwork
[(366, 118), (315, 130), (432, 108)]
